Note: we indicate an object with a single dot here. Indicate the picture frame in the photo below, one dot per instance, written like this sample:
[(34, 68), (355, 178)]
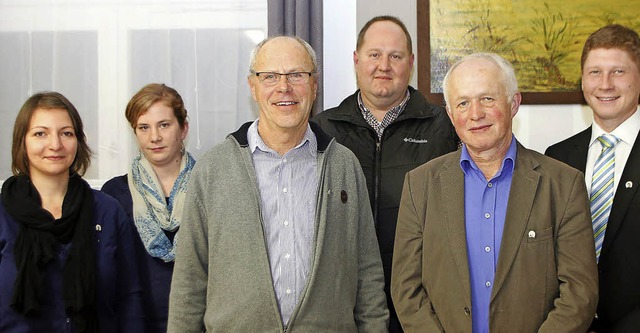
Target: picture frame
[(542, 40)]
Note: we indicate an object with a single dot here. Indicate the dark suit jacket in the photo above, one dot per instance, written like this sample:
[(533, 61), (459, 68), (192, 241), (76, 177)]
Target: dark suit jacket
[(619, 265), (543, 283)]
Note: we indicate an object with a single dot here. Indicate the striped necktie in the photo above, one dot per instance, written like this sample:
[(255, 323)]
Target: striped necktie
[(601, 197)]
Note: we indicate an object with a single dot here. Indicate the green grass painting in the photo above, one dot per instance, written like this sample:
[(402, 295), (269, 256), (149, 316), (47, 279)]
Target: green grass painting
[(542, 39)]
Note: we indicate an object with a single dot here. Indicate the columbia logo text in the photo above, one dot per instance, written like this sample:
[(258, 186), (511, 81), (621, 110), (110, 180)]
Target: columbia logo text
[(412, 140)]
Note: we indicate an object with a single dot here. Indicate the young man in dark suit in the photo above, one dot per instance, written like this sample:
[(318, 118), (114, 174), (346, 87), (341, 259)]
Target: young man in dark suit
[(611, 85)]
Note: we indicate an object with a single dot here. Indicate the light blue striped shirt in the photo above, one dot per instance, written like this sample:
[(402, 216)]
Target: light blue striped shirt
[(288, 186)]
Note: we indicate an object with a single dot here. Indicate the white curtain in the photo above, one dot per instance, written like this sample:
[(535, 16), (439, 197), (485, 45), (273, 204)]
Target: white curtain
[(98, 53)]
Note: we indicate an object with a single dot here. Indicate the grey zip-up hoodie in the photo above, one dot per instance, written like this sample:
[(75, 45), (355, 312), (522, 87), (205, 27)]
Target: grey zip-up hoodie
[(222, 280)]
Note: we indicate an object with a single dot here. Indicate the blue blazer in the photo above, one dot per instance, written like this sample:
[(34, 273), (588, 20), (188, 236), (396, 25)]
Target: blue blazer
[(119, 293)]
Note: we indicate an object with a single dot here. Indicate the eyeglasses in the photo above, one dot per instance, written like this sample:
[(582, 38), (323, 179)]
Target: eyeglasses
[(271, 78)]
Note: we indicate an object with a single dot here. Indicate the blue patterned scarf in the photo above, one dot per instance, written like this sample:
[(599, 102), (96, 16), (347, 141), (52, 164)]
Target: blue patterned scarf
[(151, 212)]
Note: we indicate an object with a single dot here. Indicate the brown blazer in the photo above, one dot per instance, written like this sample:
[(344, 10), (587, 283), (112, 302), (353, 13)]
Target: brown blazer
[(543, 283)]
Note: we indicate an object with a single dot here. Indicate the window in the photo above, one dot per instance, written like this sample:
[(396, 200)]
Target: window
[(98, 53)]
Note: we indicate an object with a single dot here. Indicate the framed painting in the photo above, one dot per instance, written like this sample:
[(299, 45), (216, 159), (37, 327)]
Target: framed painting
[(542, 39)]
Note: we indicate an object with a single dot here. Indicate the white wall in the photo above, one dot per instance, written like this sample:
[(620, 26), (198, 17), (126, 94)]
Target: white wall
[(536, 126), (339, 42)]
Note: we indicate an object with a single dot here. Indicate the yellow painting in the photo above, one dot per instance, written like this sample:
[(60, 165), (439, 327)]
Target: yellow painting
[(542, 39)]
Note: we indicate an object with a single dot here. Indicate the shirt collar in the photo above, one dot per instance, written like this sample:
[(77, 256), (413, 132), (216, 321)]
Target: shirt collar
[(255, 141), (626, 132), (508, 162)]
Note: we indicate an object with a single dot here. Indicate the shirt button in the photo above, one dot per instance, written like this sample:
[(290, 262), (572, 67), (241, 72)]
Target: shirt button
[(287, 256), (68, 320), (487, 249), (487, 215), (288, 291), (467, 311), (284, 190), (284, 160), (490, 185), (488, 283), (286, 223)]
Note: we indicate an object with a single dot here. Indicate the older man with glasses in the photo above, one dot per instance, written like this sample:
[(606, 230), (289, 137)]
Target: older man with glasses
[(278, 234)]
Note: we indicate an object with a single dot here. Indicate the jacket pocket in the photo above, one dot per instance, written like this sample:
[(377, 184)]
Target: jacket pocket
[(536, 236)]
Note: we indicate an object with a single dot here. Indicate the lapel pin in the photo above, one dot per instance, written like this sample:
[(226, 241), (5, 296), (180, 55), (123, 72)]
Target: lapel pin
[(628, 184), (343, 196), (532, 234)]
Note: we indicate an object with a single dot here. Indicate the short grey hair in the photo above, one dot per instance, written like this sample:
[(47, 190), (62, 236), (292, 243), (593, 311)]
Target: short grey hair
[(256, 50), (508, 74)]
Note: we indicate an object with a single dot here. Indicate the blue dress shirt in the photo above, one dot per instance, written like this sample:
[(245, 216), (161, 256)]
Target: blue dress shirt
[(485, 209)]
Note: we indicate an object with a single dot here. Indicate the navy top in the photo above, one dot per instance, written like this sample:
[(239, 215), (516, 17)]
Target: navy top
[(118, 287), (156, 274)]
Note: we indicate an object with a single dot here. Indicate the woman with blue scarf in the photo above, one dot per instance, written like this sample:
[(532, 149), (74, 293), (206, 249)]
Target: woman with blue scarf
[(153, 191)]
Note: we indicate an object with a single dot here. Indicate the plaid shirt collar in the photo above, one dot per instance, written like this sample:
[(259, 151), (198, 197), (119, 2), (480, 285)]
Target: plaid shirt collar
[(389, 116)]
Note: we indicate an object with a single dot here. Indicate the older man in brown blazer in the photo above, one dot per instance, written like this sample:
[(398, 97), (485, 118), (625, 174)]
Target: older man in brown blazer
[(493, 237)]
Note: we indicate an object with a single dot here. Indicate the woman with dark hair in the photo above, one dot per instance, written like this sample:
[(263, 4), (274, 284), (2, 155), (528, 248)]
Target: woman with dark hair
[(65, 263), (153, 191)]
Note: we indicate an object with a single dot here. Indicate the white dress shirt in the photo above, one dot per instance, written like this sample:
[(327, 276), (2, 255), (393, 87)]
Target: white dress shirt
[(627, 132)]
